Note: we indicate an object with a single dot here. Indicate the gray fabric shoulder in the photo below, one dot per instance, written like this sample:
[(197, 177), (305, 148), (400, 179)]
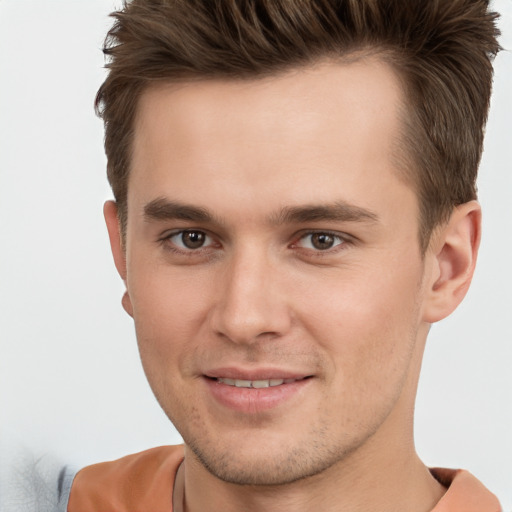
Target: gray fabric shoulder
[(64, 483), (38, 484)]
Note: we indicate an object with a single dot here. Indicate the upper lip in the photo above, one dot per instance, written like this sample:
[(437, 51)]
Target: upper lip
[(254, 374)]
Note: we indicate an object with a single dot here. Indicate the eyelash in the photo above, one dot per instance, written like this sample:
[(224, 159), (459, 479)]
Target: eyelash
[(342, 239), (166, 242)]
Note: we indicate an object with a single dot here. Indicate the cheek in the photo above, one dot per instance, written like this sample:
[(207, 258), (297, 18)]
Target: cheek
[(368, 326), (169, 311)]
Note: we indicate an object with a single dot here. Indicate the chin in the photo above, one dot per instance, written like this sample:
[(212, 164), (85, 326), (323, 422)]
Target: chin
[(264, 464), (269, 472)]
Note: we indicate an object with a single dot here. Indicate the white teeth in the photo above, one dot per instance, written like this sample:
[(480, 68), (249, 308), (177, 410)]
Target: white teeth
[(260, 383), (239, 383)]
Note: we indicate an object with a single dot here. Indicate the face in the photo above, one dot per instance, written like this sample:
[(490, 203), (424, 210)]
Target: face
[(273, 268)]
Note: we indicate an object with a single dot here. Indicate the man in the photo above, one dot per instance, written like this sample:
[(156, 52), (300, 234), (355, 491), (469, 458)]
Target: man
[(295, 206)]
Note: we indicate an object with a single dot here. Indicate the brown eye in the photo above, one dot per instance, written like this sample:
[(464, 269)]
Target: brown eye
[(193, 239), (320, 241), (190, 239)]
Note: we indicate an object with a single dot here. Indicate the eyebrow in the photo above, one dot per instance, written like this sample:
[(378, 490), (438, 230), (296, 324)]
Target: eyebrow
[(340, 211), (163, 209)]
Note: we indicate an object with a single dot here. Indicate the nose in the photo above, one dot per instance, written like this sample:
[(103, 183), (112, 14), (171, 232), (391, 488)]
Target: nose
[(252, 303)]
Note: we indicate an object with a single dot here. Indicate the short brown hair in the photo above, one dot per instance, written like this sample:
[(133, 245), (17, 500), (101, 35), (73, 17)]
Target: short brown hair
[(441, 50)]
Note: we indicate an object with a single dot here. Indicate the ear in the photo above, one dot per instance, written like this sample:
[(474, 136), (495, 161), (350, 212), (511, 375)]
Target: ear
[(455, 249), (116, 245)]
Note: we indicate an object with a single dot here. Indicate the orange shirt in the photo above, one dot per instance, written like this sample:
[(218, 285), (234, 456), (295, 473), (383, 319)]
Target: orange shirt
[(140, 483)]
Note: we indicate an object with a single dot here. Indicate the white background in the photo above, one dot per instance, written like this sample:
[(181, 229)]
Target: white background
[(70, 379)]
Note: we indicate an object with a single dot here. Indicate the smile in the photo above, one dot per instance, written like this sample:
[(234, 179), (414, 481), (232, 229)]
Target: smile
[(258, 384), (254, 394)]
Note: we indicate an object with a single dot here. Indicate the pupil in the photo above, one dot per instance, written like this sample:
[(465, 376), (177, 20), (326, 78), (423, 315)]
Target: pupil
[(322, 241), (193, 239)]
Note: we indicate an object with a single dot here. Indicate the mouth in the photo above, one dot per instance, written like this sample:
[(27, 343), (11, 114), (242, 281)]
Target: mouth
[(256, 393), (256, 384)]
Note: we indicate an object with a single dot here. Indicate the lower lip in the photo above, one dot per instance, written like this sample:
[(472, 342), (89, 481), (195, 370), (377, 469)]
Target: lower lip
[(254, 400)]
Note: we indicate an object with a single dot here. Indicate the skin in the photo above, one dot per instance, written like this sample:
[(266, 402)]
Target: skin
[(352, 314)]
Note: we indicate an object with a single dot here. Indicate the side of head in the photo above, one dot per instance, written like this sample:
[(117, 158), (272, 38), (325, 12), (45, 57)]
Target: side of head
[(441, 51)]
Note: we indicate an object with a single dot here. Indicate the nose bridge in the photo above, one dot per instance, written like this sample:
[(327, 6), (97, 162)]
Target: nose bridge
[(250, 301)]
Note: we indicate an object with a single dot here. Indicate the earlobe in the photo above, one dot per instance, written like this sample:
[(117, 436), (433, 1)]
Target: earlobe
[(116, 245), (455, 248), (127, 303)]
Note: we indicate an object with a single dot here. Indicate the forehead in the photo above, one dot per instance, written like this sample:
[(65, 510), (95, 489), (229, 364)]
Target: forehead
[(323, 95), (289, 135)]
